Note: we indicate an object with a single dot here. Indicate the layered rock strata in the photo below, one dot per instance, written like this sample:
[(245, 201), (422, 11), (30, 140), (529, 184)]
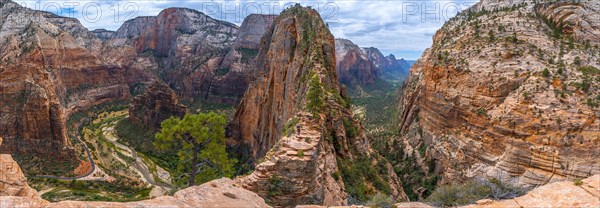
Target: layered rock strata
[(50, 69), (509, 89)]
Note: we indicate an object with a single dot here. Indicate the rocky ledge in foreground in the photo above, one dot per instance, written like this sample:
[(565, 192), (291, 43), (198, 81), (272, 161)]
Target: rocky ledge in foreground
[(14, 192), (558, 194)]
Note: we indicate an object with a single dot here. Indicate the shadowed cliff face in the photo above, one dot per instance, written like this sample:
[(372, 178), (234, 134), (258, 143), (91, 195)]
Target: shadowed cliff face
[(296, 125), (510, 91), (366, 68), (184, 48), (156, 104), (353, 65), (50, 69), (241, 60), (284, 64)]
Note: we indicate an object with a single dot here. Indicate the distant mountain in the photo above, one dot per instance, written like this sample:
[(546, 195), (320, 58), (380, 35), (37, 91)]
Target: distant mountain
[(367, 67)]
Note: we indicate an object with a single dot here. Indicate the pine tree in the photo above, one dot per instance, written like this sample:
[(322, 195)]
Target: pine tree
[(202, 139), (315, 96)]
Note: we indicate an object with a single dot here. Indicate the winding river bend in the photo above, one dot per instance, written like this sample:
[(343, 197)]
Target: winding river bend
[(108, 150)]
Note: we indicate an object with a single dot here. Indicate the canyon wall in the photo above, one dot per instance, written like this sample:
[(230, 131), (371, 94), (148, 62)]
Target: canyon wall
[(296, 125), (508, 89), (184, 48), (50, 69), (156, 104), (366, 67), (354, 66)]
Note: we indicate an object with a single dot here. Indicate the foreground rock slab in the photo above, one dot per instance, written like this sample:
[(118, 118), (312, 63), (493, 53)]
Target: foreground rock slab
[(558, 194), (216, 193)]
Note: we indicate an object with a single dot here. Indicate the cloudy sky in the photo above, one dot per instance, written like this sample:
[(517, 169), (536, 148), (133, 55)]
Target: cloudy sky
[(401, 27)]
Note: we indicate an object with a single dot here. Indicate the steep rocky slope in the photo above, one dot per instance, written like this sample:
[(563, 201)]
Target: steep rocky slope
[(50, 69), (354, 66), (12, 180), (297, 126), (185, 48), (155, 105), (508, 89), (240, 61), (366, 67)]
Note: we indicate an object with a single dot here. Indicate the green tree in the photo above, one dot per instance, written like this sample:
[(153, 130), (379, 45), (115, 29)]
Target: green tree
[(546, 73), (315, 96), (202, 153)]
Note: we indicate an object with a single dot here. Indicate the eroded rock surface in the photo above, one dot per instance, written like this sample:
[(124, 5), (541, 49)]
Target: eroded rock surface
[(298, 140), (155, 105), (50, 69), (217, 193), (12, 180), (366, 67), (353, 65), (509, 89)]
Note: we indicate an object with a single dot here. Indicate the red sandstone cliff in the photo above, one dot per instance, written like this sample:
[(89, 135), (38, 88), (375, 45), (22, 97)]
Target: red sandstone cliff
[(302, 157), (50, 69)]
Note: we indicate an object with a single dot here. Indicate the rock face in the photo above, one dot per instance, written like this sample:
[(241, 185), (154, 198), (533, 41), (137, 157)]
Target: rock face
[(53, 67), (217, 193), (509, 89), (185, 48), (12, 180), (389, 67), (103, 34), (155, 105), (397, 70), (240, 62), (358, 68), (294, 116), (50, 68), (558, 194), (14, 191), (354, 66)]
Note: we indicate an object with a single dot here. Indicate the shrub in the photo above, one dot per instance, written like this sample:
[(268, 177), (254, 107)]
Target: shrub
[(583, 85), (481, 111), (222, 71), (592, 103), (589, 70), (381, 201), (315, 96), (456, 195), (248, 54), (526, 95), (577, 61), (275, 186), (300, 153), (470, 192), (546, 73), (288, 128), (351, 129), (578, 182), (502, 190)]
